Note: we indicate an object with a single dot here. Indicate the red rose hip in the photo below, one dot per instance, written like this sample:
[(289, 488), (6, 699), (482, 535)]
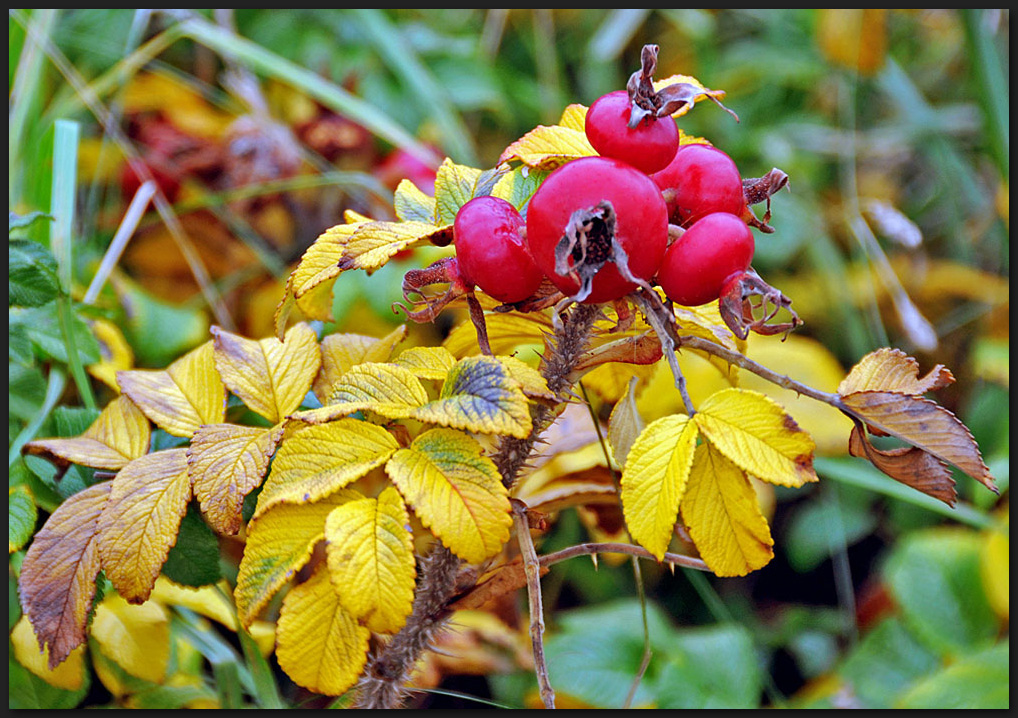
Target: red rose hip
[(697, 265), (699, 180), (649, 146)]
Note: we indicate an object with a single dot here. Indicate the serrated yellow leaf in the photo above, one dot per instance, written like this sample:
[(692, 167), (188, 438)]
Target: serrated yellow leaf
[(624, 424), (654, 480), (530, 380), (69, 674), (119, 434), (455, 185), (135, 637), (271, 377), (139, 524), (226, 462), (208, 601), (479, 395), (386, 389), (720, 510), (317, 460), (506, 332), (374, 243), (279, 543), (319, 644), (116, 353), (413, 205), (456, 492), (755, 433), (547, 146), (371, 562), (57, 581), (888, 369), (426, 362), (574, 117), (182, 397), (341, 352)]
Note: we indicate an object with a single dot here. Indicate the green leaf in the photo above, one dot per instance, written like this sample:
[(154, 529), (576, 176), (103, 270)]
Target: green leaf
[(979, 681), (32, 279), (20, 221), (26, 388), (158, 331), (43, 329), (816, 529), (27, 690), (885, 663), (934, 577), (194, 559), (712, 667), (21, 517)]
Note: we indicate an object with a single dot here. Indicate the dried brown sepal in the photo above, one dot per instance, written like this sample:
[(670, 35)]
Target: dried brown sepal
[(748, 303), (648, 102), (761, 189), (910, 465)]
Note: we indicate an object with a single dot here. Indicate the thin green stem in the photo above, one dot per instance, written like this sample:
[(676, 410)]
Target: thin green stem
[(55, 384)]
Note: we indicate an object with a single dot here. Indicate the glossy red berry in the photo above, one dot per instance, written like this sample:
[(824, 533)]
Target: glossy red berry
[(697, 265), (648, 147), (491, 251), (699, 180), (640, 224)]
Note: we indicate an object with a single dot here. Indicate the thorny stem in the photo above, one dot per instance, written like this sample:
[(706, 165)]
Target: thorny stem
[(383, 684), (532, 569)]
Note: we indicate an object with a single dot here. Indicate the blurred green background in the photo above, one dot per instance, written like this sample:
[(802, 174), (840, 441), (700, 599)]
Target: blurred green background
[(261, 127)]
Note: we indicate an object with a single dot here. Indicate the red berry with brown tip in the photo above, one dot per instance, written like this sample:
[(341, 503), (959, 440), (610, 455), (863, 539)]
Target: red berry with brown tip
[(649, 146)]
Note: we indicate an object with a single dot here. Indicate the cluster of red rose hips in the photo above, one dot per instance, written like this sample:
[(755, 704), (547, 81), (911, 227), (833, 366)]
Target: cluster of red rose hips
[(647, 210)]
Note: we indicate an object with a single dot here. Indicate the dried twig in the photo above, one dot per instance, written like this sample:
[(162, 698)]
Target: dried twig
[(533, 571)]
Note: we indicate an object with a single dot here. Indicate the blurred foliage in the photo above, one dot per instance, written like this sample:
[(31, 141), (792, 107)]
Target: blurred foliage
[(260, 127)]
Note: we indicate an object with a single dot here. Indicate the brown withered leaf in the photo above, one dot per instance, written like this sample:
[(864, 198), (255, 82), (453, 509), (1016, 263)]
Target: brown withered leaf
[(501, 580), (888, 369), (57, 582), (910, 465), (924, 424)]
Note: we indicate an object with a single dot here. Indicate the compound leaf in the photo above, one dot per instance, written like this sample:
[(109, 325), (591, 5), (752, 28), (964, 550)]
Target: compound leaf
[(119, 434), (371, 559), (427, 362), (654, 480), (455, 490), (226, 462), (272, 377), (341, 352), (57, 581), (182, 397), (318, 642), (139, 523), (754, 432), (724, 519)]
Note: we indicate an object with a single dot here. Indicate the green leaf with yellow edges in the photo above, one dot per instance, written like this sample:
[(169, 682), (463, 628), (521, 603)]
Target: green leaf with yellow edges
[(319, 644), (654, 480), (57, 581), (456, 492), (518, 185), (371, 562), (139, 523), (119, 434), (22, 514), (279, 542), (455, 185), (136, 638), (319, 459), (385, 389), (426, 362), (226, 462), (479, 395), (757, 435), (413, 205), (271, 377), (721, 511), (182, 397)]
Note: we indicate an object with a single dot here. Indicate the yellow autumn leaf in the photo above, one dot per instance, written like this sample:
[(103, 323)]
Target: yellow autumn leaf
[(654, 480), (530, 380), (208, 601), (116, 353), (139, 524), (995, 566), (319, 644), (426, 362), (413, 205), (316, 460), (721, 511), (547, 146), (659, 397), (456, 492), (69, 674), (506, 332), (341, 352), (57, 581), (455, 185), (119, 434), (888, 369), (135, 637), (386, 389), (755, 433), (813, 364), (279, 543), (182, 397), (625, 423), (371, 562), (479, 395), (271, 377), (225, 463), (372, 244), (611, 381)]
